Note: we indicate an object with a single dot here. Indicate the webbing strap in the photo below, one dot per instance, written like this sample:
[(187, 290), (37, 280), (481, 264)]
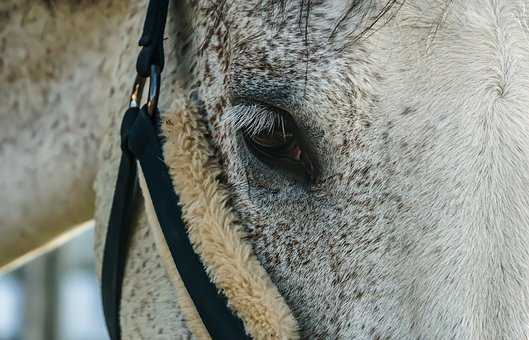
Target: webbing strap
[(140, 142), (151, 40), (118, 232)]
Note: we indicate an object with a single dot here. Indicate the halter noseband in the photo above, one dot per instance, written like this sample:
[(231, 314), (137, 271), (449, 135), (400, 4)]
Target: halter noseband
[(141, 143)]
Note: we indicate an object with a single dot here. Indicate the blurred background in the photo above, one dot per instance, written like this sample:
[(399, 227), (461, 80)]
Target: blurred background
[(54, 297)]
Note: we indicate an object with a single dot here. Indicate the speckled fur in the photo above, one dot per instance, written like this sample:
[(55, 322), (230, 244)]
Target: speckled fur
[(65, 69), (50, 109), (417, 227), (150, 307)]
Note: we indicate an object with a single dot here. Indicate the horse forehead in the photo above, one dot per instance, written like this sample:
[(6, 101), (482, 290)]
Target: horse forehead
[(273, 15), (314, 24), (281, 39), (288, 29), (295, 48)]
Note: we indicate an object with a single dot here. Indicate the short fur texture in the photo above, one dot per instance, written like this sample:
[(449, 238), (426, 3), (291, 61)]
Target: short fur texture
[(215, 232), (50, 110), (418, 225), (190, 314)]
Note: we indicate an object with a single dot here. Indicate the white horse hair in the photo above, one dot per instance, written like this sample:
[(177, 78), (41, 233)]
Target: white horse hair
[(415, 112)]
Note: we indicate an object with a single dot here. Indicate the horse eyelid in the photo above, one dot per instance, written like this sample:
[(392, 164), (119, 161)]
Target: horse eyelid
[(253, 118)]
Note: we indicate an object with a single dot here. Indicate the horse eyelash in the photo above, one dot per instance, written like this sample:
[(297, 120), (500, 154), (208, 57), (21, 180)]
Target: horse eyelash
[(253, 119)]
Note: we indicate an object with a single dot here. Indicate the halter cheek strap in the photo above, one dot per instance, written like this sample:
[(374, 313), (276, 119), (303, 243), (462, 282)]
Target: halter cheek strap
[(141, 144)]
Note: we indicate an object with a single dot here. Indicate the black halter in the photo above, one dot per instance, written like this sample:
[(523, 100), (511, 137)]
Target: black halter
[(140, 142)]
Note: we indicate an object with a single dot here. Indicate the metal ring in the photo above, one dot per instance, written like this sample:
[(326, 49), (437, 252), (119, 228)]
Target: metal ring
[(137, 91), (154, 90)]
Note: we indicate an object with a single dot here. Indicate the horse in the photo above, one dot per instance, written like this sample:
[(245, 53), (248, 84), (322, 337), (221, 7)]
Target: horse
[(374, 153)]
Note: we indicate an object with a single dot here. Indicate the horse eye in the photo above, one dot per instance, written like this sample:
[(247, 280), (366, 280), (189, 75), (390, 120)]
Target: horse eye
[(282, 148), (280, 143)]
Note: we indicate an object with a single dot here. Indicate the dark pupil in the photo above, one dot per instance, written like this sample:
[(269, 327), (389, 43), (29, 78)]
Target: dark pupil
[(277, 139)]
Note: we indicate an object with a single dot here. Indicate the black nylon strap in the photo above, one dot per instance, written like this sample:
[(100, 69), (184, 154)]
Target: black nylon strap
[(151, 40), (140, 142), (119, 230), (212, 306)]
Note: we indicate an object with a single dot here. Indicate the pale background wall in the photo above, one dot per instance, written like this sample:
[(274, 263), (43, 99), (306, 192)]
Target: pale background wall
[(54, 297)]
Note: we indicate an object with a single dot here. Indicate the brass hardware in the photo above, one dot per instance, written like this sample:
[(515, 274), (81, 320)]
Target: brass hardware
[(154, 90)]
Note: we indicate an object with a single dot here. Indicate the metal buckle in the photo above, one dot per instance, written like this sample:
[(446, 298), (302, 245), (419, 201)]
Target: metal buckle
[(154, 90)]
